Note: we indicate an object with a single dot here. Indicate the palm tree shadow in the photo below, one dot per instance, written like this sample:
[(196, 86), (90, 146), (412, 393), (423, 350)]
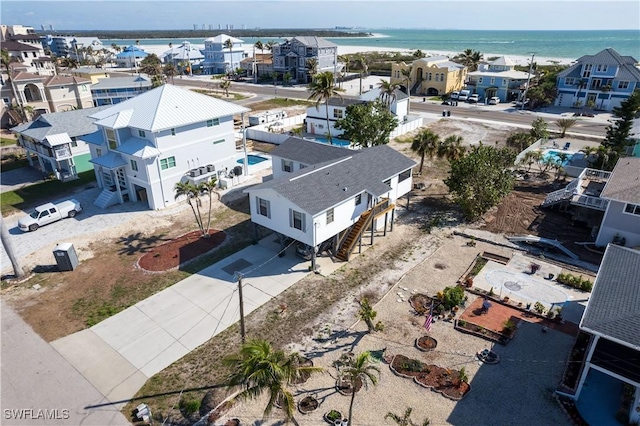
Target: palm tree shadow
[(139, 243), (346, 346)]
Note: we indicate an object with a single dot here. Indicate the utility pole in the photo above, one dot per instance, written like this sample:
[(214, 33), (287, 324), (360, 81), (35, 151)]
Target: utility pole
[(526, 89), (242, 332)]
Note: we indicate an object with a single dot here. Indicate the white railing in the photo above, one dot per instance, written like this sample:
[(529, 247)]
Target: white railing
[(276, 134), (61, 153), (595, 174), (406, 127), (589, 201)]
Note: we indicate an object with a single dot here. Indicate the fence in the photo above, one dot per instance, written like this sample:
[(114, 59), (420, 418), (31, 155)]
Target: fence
[(272, 133), (406, 127)]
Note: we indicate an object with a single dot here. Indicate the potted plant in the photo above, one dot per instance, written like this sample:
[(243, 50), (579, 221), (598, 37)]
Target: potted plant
[(506, 299), (333, 417)]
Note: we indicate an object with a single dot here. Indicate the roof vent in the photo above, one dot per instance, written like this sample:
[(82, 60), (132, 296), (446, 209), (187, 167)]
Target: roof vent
[(344, 189)]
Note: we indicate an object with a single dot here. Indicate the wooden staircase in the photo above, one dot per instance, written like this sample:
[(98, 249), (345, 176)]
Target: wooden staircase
[(356, 230)]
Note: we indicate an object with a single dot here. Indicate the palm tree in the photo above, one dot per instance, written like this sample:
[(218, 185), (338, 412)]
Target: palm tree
[(312, 67), (406, 78), (322, 89), (259, 46), (451, 148), (224, 85), (269, 45), (604, 89), (170, 71), (115, 47), (405, 420), (565, 124), (228, 44), (8, 247), (190, 191), (424, 144), (209, 187), (6, 63), (359, 370), (259, 368), (363, 64), (470, 59), (387, 92)]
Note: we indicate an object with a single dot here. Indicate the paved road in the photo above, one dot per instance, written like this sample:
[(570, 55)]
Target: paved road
[(39, 387)]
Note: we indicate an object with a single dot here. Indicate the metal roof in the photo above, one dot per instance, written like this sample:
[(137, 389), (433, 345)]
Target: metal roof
[(624, 183), (138, 148), (59, 139), (613, 310), (221, 38), (121, 83), (323, 185), (74, 123), (111, 160), (313, 41), (166, 107)]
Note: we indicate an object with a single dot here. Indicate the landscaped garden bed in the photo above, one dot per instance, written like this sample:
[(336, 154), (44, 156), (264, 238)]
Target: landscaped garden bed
[(452, 384), (480, 331), (180, 250), (426, 343)]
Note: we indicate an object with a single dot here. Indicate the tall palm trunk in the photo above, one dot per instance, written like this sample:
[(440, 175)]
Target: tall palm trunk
[(326, 106), (353, 398), (8, 247)]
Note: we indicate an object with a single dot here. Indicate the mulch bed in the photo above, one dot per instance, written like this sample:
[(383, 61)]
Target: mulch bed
[(426, 343), (442, 380), (180, 250)]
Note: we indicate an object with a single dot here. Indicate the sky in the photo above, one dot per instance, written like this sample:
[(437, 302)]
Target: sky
[(371, 14)]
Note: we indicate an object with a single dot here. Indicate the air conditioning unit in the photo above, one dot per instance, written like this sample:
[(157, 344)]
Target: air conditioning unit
[(211, 168), (237, 170), (203, 170), (194, 172)]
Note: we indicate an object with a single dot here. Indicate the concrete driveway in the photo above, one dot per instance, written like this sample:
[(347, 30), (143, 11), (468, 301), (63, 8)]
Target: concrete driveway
[(119, 354), (39, 387)]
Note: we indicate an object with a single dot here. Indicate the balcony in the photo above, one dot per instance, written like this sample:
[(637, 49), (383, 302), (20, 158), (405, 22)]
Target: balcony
[(62, 153)]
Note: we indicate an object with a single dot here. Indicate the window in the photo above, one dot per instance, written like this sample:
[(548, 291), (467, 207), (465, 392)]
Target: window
[(287, 165), (264, 207), (329, 215), (213, 122), (297, 220), (596, 83), (570, 81), (586, 70), (623, 85), (6, 101), (632, 209), (111, 138), (74, 142), (441, 76), (141, 133), (358, 199), (504, 82), (218, 141), (428, 76), (437, 77), (387, 182), (167, 163), (98, 152), (173, 132), (337, 113), (480, 80), (134, 165), (602, 68), (404, 175), (492, 81)]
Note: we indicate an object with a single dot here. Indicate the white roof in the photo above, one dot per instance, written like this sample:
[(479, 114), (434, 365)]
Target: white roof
[(503, 60), (166, 107), (515, 75), (221, 38), (138, 148), (58, 139)]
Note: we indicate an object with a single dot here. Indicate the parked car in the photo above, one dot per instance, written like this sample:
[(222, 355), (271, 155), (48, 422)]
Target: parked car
[(519, 103), (474, 99), (49, 213), (494, 100), (584, 114), (454, 95), (464, 95)]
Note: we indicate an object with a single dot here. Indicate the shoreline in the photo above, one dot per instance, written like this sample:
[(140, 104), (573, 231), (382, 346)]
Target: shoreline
[(354, 49)]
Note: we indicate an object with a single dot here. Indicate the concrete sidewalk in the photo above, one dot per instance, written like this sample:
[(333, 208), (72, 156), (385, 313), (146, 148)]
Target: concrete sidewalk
[(121, 353)]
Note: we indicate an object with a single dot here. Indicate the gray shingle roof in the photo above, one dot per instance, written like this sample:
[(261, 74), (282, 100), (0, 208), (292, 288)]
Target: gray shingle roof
[(336, 101), (74, 123), (608, 56), (313, 41), (624, 183), (614, 305), (309, 152), (319, 187)]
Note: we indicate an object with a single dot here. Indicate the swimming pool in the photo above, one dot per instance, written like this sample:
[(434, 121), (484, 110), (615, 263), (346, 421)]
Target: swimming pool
[(337, 142), (558, 157), (252, 159)]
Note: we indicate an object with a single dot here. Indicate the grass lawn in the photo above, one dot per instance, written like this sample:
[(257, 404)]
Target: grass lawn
[(7, 141), (14, 164), (219, 94), (41, 192), (279, 103)]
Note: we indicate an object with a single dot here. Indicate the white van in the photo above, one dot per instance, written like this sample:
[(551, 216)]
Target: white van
[(464, 95), (454, 95)]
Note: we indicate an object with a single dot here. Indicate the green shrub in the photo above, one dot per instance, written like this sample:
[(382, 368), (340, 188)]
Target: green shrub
[(452, 296), (189, 405), (575, 281), (539, 308)]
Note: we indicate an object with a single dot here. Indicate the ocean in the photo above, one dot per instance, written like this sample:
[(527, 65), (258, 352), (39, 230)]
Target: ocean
[(552, 44)]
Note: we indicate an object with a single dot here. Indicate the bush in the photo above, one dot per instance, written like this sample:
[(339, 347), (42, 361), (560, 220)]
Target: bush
[(189, 405), (575, 281), (334, 415), (452, 296), (539, 308)]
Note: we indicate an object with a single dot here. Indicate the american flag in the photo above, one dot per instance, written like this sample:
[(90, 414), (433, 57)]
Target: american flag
[(429, 320)]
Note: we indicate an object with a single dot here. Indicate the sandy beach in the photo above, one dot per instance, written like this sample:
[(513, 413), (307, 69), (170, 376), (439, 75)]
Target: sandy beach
[(350, 50)]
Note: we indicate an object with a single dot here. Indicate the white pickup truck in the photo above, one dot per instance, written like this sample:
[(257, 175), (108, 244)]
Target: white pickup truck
[(49, 213)]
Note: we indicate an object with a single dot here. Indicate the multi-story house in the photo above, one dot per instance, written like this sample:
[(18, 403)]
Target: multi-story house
[(54, 145), (326, 197), (259, 66), (292, 56), (316, 121), (71, 47), (609, 202), (498, 78), (219, 59), (601, 81), (47, 94), (147, 144), (29, 55), (607, 386), (130, 57), (7, 31), (92, 73), (111, 91), (432, 76), (186, 57)]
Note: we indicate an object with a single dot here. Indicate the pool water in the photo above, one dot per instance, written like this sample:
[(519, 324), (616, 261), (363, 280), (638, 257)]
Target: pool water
[(555, 156), (336, 142), (252, 159)]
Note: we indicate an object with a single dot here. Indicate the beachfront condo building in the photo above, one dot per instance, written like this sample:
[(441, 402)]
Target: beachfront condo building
[(219, 59), (601, 81), (432, 76), (292, 57)]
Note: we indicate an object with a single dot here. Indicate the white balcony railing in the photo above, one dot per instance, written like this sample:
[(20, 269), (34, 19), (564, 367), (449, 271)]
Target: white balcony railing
[(589, 201), (595, 174), (62, 153)]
